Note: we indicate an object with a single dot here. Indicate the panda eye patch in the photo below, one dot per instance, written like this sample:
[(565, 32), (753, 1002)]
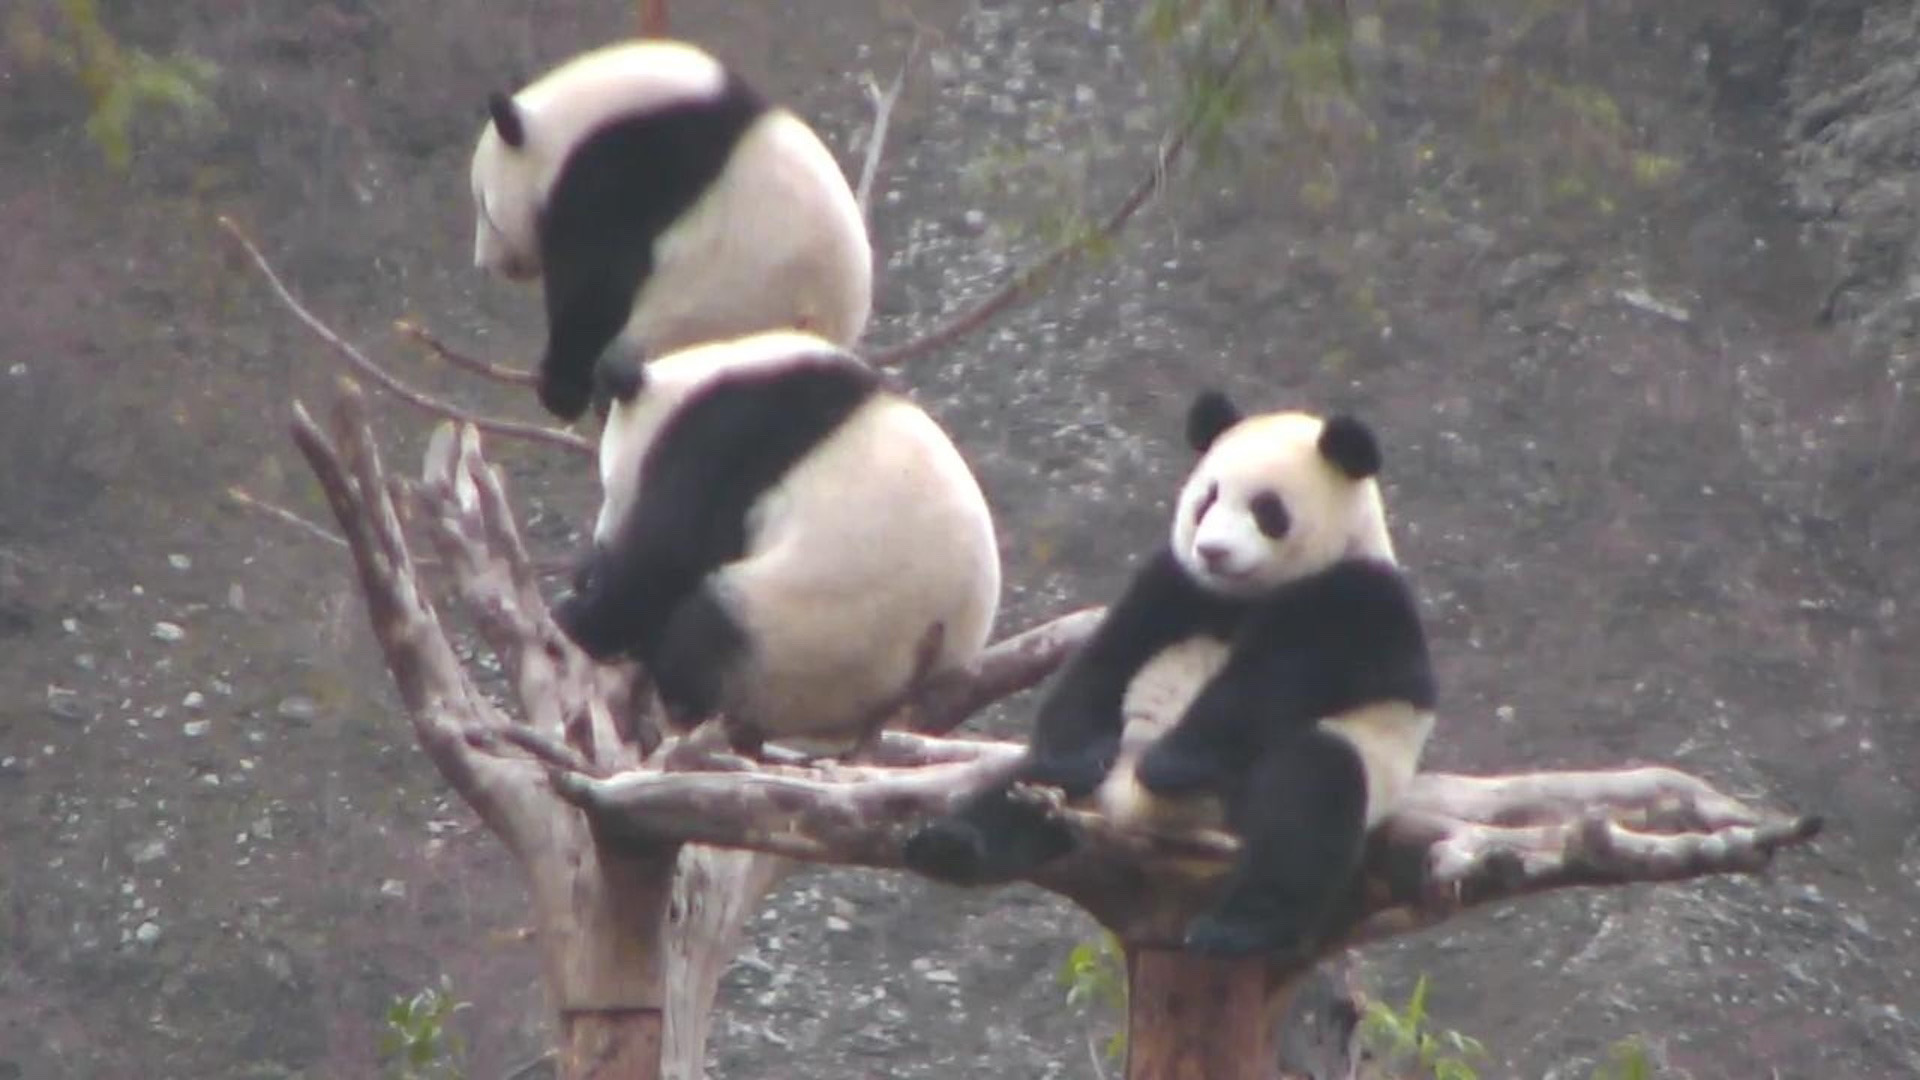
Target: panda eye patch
[(1206, 502), (1270, 514)]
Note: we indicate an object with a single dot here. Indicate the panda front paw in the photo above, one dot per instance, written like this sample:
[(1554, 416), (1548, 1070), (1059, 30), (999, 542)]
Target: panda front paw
[(995, 838), (948, 850), (1170, 770)]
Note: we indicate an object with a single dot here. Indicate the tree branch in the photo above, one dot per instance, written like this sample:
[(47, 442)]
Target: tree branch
[(512, 429), (242, 497), (1458, 842), (883, 102), (424, 338), (1030, 279)]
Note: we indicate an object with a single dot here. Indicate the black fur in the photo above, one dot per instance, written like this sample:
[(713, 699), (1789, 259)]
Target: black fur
[(619, 190), (1211, 413), (1346, 637), (506, 119), (643, 594), (1350, 445)]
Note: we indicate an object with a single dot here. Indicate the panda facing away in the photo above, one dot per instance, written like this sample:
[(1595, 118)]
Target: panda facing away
[(1268, 663), (663, 203), (780, 540)]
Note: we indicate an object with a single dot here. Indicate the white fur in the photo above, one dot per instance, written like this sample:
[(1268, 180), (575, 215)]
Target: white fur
[(868, 542), (1332, 515), (777, 241)]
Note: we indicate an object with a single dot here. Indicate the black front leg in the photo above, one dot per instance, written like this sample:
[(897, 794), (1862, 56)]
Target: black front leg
[(1076, 736), (1300, 814)]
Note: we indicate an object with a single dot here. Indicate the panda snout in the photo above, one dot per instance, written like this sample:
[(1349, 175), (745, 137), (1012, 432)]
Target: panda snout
[(1216, 557)]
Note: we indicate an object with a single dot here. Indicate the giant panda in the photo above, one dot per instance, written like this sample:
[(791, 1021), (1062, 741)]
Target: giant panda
[(1267, 667), (665, 203), (781, 540)]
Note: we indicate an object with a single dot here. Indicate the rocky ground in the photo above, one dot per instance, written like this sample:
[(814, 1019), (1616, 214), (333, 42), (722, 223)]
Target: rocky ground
[(1628, 293)]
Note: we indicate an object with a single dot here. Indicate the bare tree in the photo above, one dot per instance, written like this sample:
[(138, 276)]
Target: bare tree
[(644, 852)]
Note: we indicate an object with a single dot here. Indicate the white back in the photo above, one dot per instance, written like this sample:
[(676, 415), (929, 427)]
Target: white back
[(778, 242), (632, 425), (1330, 515), (561, 108)]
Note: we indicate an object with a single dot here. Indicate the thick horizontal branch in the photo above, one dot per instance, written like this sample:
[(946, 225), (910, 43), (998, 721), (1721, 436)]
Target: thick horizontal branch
[(1458, 842)]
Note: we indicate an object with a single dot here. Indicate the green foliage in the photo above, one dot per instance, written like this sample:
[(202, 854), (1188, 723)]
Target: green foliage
[(1095, 975), (417, 1043), (1405, 1037), (1626, 1060), (123, 85)]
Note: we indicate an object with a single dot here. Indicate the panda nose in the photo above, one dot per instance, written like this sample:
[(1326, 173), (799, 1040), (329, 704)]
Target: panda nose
[(1215, 556)]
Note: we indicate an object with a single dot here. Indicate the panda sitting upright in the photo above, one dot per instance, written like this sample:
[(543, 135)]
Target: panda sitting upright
[(1270, 661), (663, 203)]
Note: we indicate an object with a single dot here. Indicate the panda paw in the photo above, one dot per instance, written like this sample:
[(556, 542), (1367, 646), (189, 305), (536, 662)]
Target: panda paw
[(947, 850), (1077, 774), (996, 839), (1223, 934), (1168, 770)]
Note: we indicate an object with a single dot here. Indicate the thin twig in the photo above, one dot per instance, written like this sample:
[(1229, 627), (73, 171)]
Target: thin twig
[(311, 528), (1032, 277), (882, 117), (424, 338), (511, 429)]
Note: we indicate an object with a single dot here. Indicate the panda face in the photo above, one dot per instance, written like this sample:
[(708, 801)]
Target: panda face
[(505, 198), (1276, 498), (530, 135)]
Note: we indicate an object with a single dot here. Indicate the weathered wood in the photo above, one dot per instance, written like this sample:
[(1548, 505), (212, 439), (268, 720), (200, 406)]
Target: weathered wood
[(611, 1044), (1192, 1017)]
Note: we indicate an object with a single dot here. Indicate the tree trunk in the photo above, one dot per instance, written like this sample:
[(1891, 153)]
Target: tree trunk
[(1192, 1017)]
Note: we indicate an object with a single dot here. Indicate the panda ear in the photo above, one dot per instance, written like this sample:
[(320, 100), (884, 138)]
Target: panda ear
[(621, 374), (1350, 445), (506, 119), (1210, 414)]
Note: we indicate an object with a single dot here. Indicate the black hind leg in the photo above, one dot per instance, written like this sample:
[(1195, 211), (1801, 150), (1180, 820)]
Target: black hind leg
[(993, 837), (1301, 818)]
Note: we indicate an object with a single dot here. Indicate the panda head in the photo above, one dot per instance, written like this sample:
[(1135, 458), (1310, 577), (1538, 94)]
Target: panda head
[(529, 136), (1275, 497)]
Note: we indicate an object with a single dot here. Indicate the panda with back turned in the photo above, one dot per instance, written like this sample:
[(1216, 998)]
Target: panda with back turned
[(663, 203), (781, 540), (1268, 665)]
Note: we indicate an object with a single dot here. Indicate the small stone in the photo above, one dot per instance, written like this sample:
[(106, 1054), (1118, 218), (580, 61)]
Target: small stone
[(168, 632), (300, 710), (236, 597), (941, 976), (193, 729), (70, 625), (64, 703), (179, 562), (148, 933), (838, 925), (394, 887), (194, 700), (149, 851)]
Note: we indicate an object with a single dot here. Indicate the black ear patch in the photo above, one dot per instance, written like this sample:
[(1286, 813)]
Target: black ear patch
[(1350, 445), (620, 374), (1210, 414), (506, 119)]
